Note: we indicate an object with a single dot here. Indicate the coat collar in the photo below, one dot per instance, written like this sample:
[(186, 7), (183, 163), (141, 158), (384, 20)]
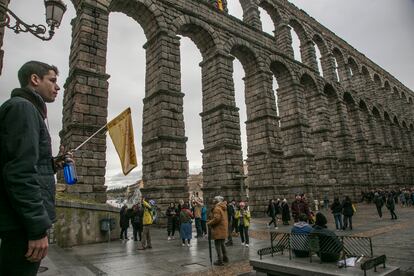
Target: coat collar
[(32, 97)]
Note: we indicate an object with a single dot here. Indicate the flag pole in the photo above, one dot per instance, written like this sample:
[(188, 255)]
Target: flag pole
[(89, 138)]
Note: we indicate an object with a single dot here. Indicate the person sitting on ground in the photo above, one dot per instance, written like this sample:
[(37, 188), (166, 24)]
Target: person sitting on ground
[(299, 240), (329, 244)]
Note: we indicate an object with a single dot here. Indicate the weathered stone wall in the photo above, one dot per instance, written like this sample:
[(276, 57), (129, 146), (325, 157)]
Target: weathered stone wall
[(338, 131), (79, 223)]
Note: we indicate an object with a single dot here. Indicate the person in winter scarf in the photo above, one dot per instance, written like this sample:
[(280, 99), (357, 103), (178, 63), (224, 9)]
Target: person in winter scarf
[(300, 230), (219, 227)]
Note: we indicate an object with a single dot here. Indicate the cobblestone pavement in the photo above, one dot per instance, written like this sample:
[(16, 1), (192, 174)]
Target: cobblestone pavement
[(395, 238)]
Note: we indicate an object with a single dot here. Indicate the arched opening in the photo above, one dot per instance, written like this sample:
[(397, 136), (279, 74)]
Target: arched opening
[(319, 59), (352, 67), (235, 9), (298, 39), (387, 87), (377, 81), (339, 64), (192, 103), (126, 89), (268, 25)]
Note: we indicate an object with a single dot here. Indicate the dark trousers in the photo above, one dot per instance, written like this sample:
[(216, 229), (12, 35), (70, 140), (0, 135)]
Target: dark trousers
[(124, 231), (221, 250), (204, 227), (346, 220), (230, 231), (12, 260), (274, 221), (244, 233), (137, 232), (198, 227), (393, 215), (379, 210)]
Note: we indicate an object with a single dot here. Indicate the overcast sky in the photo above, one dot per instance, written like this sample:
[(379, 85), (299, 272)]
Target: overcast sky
[(380, 29)]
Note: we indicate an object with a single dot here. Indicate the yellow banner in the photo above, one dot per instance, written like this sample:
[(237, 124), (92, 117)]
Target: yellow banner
[(122, 135), (220, 5)]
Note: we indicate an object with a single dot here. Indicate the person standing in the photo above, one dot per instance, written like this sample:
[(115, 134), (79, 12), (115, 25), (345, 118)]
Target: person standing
[(197, 205), (348, 212), (244, 222), (186, 217), (218, 222), (147, 222), (299, 206), (231, 220), (390, 204), (124, 222), (204, 220), (27, 183), (136, 221), (172, 216), (285, 212), (336, 209), (378, 203)]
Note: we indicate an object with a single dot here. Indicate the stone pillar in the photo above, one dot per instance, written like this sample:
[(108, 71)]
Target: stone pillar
[(2, 16), (265, 155), (308, 54), (363, 163), (344, 151), (321, 133), (165, 166), (328, 67), (86, 99), (398, 153), (222, 156), (284, 40), (251, 14), (375, 151), (389, 156), (299, 166)]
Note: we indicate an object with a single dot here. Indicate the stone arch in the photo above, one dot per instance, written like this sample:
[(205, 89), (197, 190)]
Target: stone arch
[(376, 113), (377, 80), (281, 70), (387, 87), (202, 34), (403, 97), (348, 98), (245, 52), (365, 73), (305, 43), (396, 121), (353, 66), (272, 10), (340, 64), (363, 106), (144, 12)]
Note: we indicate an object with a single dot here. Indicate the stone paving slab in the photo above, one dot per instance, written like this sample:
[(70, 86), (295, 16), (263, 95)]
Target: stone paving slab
[(393, 238)]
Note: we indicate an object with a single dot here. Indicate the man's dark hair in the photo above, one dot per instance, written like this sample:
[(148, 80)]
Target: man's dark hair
[(34, 67)]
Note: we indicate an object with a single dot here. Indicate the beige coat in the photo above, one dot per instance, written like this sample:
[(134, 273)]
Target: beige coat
[(218, 221)]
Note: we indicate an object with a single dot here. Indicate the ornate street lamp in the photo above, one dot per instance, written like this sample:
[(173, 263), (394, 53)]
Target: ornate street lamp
[(54, 13)]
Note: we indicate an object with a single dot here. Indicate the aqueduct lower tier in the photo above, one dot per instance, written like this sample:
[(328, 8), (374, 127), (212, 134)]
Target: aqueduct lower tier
[(347, 131)]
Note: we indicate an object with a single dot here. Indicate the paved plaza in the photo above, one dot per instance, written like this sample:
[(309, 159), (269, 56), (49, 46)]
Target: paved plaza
[(393, 238)]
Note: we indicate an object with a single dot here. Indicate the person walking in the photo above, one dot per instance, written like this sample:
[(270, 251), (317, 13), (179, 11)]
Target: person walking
[(136, 221), (378, 203), (285, 212), (348, 212), (186, 217), (124, 222), (172, 216), (218, 223), (390, 204), (147, 222), (27, 182), (244, 222), (336, 209), (271, 212)]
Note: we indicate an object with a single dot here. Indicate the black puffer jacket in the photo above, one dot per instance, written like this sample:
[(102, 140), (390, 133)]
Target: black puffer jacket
[(27, 184)]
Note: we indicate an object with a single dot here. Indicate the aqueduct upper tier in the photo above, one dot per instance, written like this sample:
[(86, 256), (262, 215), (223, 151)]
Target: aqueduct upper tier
[(342, 130)]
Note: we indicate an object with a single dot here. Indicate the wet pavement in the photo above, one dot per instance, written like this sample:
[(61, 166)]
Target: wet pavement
[(395, 238)]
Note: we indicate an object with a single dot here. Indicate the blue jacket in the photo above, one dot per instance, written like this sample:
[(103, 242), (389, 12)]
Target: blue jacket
[(204, 213)]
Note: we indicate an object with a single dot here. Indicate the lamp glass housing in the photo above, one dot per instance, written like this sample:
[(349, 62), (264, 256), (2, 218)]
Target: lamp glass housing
[(54, 12)]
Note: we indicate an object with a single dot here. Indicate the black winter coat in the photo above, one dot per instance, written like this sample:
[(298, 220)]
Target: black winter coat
[(347, 208), (27, 183)]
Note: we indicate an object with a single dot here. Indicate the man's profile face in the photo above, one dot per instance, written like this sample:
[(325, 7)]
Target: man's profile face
[(47, 86)]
